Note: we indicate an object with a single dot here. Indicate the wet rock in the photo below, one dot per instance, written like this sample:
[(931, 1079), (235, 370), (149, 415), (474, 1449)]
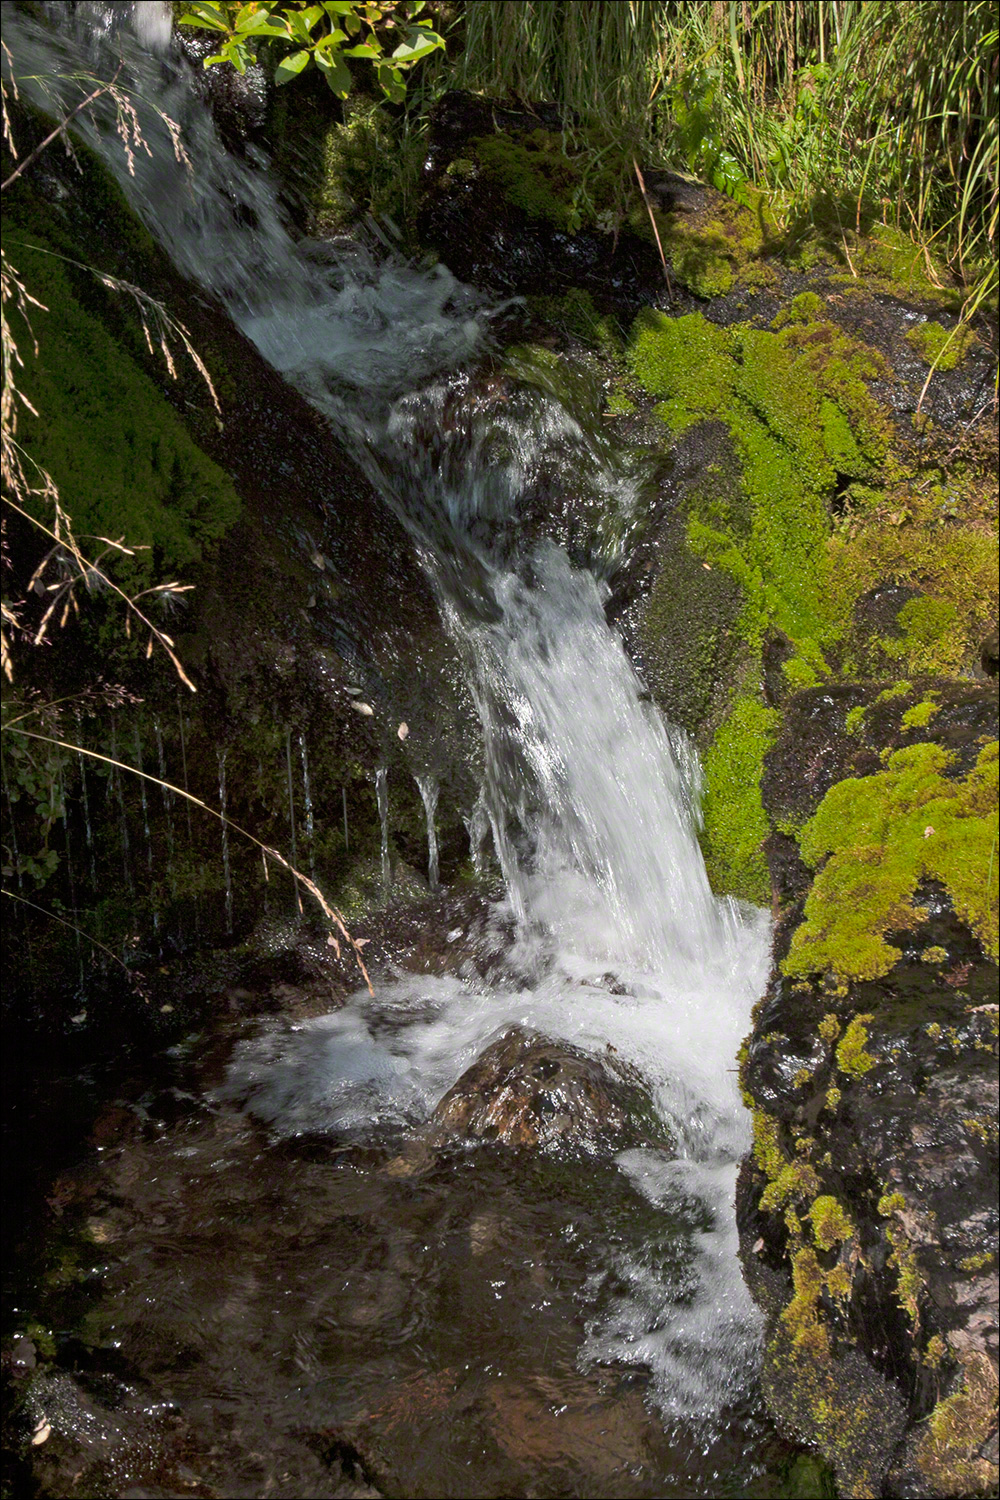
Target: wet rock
[(487, 239), (868, 1210), (527, 1091)]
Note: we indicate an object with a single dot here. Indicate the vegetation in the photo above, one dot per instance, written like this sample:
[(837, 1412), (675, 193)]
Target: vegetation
[(874, 839), (842, 113), (301, 35)]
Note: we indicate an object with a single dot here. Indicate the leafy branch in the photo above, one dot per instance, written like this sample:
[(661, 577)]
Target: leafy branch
[(323, 36)]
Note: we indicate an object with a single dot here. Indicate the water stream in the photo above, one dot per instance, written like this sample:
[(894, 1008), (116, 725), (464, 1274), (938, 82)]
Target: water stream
[(618, 945)]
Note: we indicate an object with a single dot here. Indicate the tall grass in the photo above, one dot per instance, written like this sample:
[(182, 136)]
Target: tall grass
[(883, 108)]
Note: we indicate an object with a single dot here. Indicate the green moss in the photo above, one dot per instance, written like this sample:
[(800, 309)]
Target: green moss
[(620, 403), (875, 838), (852, 1058), (978, 1262), (829, 1027), (796, 1182), (805, 308), (566, 182), (799, 415), (767, 1152), (910, 1281), (123, 462), (944, 348), (889, 260), (799, 674), (921, 714), (735, 824), (712, 249), (832, 1099), (831, 1223), (855, 718), (935, 955)]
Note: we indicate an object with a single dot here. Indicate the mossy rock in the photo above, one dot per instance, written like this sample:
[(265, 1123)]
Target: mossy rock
[(941, 347), (123, 463), (877, 838)]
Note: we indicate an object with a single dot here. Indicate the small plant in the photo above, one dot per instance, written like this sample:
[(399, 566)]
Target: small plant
[(322, 36)]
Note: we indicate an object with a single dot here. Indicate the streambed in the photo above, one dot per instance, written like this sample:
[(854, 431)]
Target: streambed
[(285, 1309)]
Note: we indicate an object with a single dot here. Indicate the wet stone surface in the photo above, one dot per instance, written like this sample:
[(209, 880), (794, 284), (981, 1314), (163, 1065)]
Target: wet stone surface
[(868, 1210), (256, 1317)]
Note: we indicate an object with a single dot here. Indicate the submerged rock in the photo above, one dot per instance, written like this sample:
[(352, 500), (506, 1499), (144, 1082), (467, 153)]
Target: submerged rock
[(528, 1091)]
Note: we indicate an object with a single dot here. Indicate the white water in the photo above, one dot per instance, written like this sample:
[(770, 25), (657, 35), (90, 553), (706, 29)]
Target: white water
[(591, 800)]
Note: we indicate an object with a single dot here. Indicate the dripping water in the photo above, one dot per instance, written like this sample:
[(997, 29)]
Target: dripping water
[(226, 873), (477, 826), (307, 804), (382, 799), (291, 815), (428, 788)]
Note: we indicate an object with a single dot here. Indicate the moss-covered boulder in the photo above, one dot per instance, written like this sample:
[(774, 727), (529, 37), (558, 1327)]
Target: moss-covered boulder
[(868, 1206)]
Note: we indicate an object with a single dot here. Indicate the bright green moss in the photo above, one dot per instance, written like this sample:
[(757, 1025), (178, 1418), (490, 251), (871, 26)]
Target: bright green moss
[(799, 674), (796, 1182), (123, 463), (855, 718), (735, 824), (805, 308), (767, 1151), (831, 1223), (921, 714), (944, 348), (829, 1027), (701, 260), (880, 835), (620, 403), (801, 420), (935, 955), (852, 1057)]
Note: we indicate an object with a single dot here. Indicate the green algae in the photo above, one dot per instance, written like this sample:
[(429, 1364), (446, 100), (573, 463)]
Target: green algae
[(874, 839)]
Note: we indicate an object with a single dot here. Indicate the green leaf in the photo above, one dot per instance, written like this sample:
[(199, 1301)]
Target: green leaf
[(204, 15), (297, 26), (311, 15), (363, 49), (259, 23), (335, 38), (336, 73), (418, 46), (290, 67)]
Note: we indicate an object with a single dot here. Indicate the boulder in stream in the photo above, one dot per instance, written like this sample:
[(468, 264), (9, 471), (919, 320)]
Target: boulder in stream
[(528, 1091)]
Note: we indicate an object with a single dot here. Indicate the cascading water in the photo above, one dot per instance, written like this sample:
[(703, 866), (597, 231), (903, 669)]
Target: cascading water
[(592, 801)]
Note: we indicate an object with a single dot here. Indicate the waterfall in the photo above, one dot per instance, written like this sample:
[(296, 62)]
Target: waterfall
[(589, 795)]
